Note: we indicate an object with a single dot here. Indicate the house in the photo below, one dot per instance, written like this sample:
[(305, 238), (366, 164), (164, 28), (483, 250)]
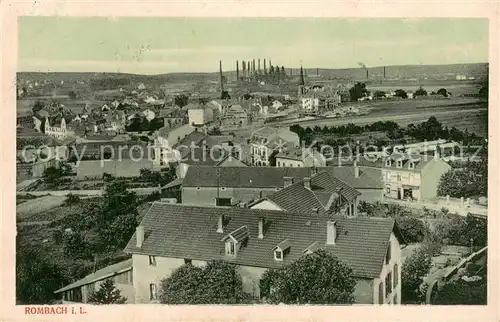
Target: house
[(211, 185), (267, 141), (200, 115), (321, 193), (33, 146), (235, 116), (277, 105), (120, 273), (141, 86), (172, 235), (412, 176), (57, 126), (367, 180), (299, 157), (148, 114)]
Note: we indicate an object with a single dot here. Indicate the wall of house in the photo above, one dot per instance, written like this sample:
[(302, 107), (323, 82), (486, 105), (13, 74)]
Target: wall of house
[(395, 296), (144, 274), (179, 133), (196, 116), (207, 195), (370, 194), (282, 162), (395, 178), (363, 292), (267, 205), (430, 177)]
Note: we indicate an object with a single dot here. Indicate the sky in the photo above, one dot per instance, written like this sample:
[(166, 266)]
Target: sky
[(169, 45)]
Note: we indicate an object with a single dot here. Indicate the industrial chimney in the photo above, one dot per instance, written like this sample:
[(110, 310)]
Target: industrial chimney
[(384, 72), (237, 71), (265, 68), (221, 81), (258, 61)]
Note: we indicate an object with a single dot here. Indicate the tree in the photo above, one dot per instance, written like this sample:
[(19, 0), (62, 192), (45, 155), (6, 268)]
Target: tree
[(358, 91), (216, 283), (400, 93), (71, 199), (413, 229), (379, 94), (317, 278), (38, 106), (483, 91), (37, 277), (461, 292), (181, 100), (442, 91), (72, 95), (225, 95), (52, 175), (107, 294), (420, 92), (75, 246), (414, 269)]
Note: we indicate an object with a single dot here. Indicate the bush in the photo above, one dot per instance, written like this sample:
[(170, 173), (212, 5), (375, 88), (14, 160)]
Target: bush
[(413, 229), (71, 199), (317, 278), (216, 283)]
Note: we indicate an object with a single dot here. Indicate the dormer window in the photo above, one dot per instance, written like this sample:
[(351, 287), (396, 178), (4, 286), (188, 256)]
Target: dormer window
[(399, 164), (235, 240), (411, 165), (281, 250), (388, 163)]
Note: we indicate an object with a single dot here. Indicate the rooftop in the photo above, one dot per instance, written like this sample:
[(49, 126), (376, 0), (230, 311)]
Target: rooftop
[(182, 231), (101, 274)]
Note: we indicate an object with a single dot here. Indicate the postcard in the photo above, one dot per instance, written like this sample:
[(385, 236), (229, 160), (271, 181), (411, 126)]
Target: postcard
[(242, 161)]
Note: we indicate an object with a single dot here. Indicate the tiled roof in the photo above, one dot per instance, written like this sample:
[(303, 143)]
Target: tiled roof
[(298, 198), (369, 178), (103, 273), (181, 231), (239, 177)]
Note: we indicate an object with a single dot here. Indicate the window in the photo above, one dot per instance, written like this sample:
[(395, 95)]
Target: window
[(411, 165), (381, 293), (223, 189), (399, 164), (230, 248), (223, 201), (279, 164), (188, 261), (152, 292), (388, 255), (388, 283), (278, 255), (396, 275), (388, 190), (388, 163), (152, 260)]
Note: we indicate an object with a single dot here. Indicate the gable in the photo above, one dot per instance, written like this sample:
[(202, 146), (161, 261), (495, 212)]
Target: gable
[(266, 205)]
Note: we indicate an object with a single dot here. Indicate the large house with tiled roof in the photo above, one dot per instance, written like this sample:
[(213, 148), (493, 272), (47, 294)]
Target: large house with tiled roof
[(218, 185), (172, 235), (57, 126)]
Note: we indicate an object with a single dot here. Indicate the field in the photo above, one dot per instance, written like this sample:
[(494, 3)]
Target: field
[(26, 210)]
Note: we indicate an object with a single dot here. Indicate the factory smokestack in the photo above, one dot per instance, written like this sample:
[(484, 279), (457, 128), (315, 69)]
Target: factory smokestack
[(259, 65), (253, 66), (221, 80), (384, 72), (237, 71), (265, 68), (317, 71), (367, 73)]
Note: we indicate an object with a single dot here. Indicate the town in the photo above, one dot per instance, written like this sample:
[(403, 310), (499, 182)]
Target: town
[(257, 183)]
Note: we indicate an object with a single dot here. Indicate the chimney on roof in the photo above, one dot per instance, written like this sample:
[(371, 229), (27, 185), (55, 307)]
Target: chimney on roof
[(307, 183), (261, 228), (356, 169), (220, 223), (331, 232), (288, 181), (139, 232)]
